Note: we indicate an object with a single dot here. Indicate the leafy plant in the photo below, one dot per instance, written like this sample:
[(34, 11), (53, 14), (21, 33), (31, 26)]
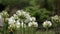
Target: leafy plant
[(40, 14)]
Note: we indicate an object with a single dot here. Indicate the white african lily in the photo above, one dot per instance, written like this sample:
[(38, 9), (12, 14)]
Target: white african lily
[(33, 24), (23, 25), (27, 15), (17, 24), (19, 13), (28, 20), (11, 20), (23, 12), (56, 17), (15, 16), (47, 24), (4, 14), (33, 19)]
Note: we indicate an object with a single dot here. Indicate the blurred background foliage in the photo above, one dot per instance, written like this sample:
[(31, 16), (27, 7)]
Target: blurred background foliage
[(22, 3), (41, 9)]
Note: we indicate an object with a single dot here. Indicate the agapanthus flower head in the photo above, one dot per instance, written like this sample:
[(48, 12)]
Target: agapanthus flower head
[(11, 27), (27, 15), (33, 18), (23, 12), (15, 17), (11, 20), (23, 25), (34, 24), (18, 12), (56, 17), (47, 24), (4, 14), (28, 20), (17, 24)]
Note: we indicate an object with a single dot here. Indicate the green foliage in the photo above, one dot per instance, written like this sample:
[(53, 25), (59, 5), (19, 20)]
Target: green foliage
[(40, 14), (24, 3), (44, 14), (13, 2)]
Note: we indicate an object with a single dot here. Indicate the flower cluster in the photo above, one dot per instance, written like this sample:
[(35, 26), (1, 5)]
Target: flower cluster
[(3, 17), (56, 18), (4, 14), (47, 24), (21, 19)]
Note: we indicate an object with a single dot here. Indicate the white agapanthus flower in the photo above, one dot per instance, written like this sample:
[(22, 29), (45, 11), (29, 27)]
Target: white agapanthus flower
[(11, 20), (33, 24), (19, 13), (27, 15), (23, 12), (56, 17), (4, 14), (47, 24), (17, 24), (29, 24), (11, 26), (28, 20), (33, 19), (23, 25), (15, 16)]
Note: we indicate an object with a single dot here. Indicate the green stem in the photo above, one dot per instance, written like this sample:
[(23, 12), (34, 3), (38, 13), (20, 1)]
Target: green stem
[(46, 31)]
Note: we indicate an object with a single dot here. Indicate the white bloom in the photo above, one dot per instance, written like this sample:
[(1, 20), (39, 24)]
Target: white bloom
[(27, 15), (18, 24), (23, 12), (15, 16), (29, 24), (23, 25), (11, 20), (11, 26), (28, 20), (56, 17), (33, 24), (4, 14), (47, 24), (33, 19), (19, 13)]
